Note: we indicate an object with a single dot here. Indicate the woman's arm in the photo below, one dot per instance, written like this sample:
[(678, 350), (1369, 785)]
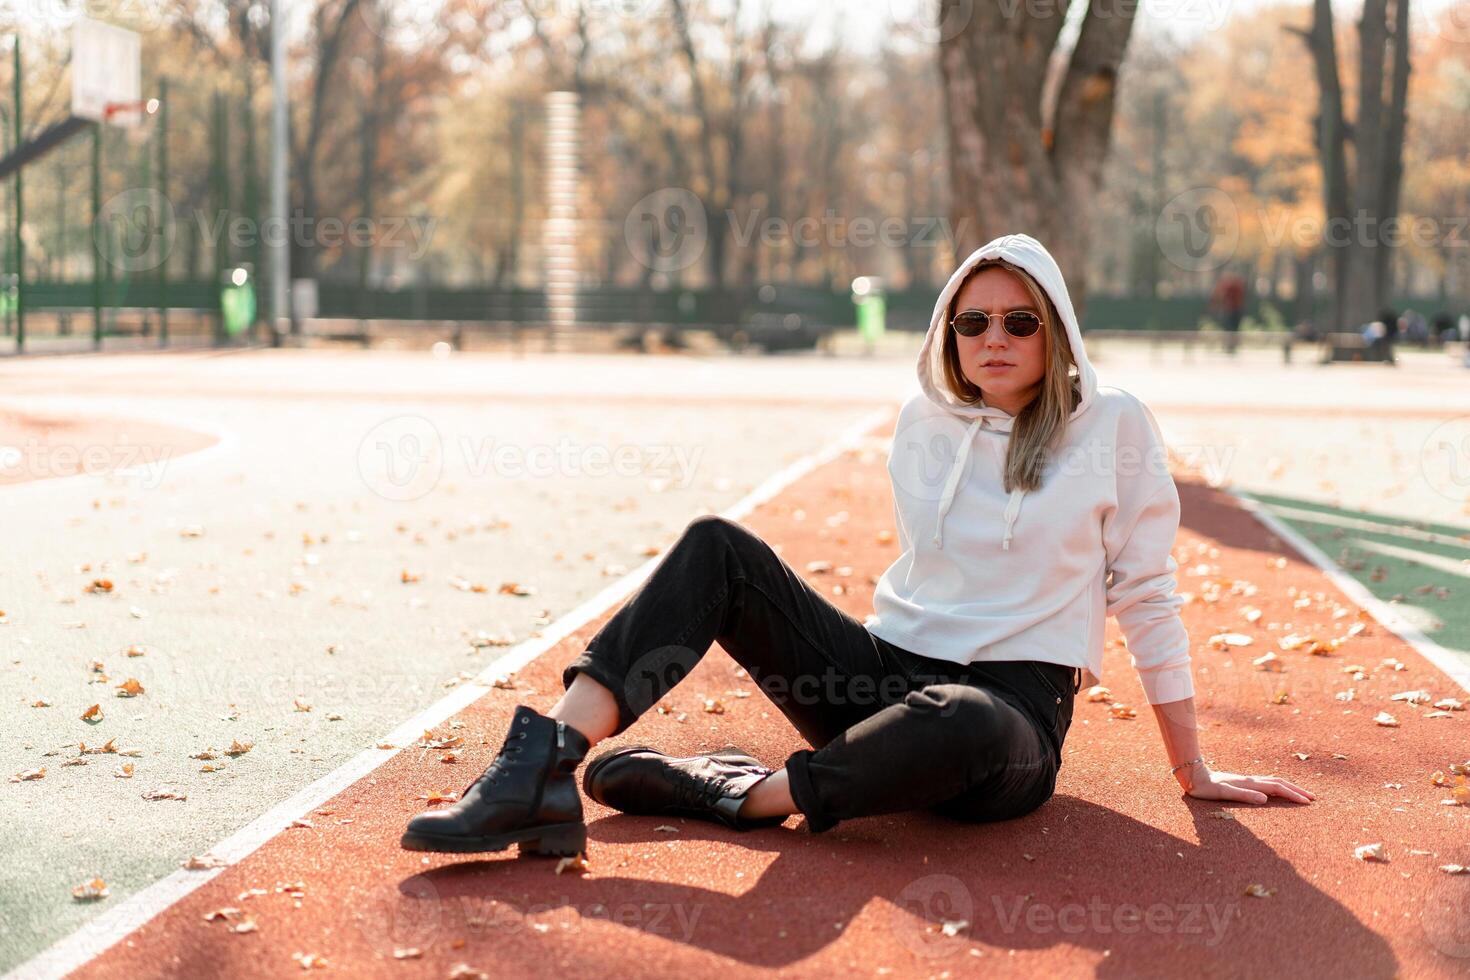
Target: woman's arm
[(1181, 742)]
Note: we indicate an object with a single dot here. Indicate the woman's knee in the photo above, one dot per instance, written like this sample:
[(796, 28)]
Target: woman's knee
[(965, 720), (989, 802)]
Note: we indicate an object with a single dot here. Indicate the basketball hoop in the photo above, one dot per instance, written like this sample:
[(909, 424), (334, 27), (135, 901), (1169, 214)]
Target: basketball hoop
[(145, 107), (127, 115)]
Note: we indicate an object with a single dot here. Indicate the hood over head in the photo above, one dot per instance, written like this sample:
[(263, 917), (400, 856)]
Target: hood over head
[(1030, 255)]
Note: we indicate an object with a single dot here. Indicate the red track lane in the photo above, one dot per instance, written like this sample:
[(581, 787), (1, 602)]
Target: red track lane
[(1119, 874)]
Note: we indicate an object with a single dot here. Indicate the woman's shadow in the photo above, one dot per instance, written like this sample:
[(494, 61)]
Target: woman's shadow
[(1070, 873)]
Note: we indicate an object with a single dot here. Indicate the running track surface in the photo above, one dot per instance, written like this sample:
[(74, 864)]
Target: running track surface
[(1119, 874)]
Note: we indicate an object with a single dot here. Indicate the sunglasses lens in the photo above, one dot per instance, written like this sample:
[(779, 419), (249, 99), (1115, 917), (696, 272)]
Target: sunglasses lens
[(1022, 324), (970, 323)]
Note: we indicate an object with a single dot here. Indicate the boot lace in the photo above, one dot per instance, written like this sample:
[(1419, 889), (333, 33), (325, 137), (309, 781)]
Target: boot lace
[(697, 791), (496, 769)]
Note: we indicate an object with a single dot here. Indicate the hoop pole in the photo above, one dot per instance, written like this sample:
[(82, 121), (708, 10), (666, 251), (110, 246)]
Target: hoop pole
[(280, 261), (97, 228), (20, 246), (163, 191)]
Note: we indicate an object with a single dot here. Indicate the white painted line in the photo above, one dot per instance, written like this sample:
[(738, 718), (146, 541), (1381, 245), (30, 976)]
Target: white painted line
[(109, 928), (1455, 665), (1450, 566), (1402, 530)]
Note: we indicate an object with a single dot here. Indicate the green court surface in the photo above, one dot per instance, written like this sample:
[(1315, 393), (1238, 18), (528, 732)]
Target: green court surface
[(1421, 567)]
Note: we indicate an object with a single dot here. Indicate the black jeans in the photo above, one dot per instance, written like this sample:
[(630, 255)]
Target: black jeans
[(890, 729)]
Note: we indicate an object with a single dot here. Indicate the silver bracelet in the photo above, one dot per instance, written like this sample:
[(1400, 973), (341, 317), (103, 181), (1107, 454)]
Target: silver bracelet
[(1189, 763)]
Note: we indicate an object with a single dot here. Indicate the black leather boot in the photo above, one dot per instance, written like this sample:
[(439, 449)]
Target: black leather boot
[(644, 781), (527, 796)]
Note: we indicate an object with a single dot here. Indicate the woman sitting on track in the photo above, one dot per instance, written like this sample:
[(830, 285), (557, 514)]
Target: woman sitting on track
[(1030, 504)]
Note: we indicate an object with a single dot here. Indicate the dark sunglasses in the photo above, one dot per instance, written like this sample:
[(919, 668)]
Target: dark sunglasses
[(1017, 323)]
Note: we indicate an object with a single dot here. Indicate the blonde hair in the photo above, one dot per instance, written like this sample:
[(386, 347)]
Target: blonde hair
[(1044, 419)]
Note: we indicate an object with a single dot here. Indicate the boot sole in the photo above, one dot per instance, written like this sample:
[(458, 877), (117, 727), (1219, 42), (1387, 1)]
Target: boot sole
[(589, 775), (556, 840)]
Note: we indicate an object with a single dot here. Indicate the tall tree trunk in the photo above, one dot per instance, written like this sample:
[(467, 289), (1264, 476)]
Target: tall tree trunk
[(1393, 146), (1358, 209), (1017, 164), (1331, 138)]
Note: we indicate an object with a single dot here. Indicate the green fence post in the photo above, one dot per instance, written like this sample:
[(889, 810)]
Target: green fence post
[(163, 192), (20, 245), (97, 229)]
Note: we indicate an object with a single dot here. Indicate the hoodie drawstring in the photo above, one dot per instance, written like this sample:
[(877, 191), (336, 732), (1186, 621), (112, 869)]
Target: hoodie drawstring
[(1013, 505), (1013, 508), (947, 497)]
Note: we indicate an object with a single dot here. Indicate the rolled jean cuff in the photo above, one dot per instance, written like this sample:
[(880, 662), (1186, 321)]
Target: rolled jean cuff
[(803, 794), (597, 669)]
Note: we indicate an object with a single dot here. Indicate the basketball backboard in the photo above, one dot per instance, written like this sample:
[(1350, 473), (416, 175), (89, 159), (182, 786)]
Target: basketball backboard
[(106, 73)]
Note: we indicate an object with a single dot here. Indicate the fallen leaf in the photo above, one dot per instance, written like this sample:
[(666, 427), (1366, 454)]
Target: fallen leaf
[(93, 713), (203, 862), (29, 774), (1371, 852), (515, 588), (89, 890), (577, 863), (954, 927), (129, 688)]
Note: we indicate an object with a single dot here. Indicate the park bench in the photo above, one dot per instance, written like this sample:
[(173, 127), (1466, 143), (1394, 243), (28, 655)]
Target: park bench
[(1338, 347)]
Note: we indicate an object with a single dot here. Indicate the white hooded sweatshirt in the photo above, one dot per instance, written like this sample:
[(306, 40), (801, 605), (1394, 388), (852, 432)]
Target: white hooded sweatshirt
[(985, 575)]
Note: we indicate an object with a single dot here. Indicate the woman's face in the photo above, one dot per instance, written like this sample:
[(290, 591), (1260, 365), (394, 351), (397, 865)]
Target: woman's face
[(1008, 370)]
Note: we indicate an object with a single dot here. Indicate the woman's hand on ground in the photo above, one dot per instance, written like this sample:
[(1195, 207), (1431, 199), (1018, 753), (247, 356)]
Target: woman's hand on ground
[(1208, 784)]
